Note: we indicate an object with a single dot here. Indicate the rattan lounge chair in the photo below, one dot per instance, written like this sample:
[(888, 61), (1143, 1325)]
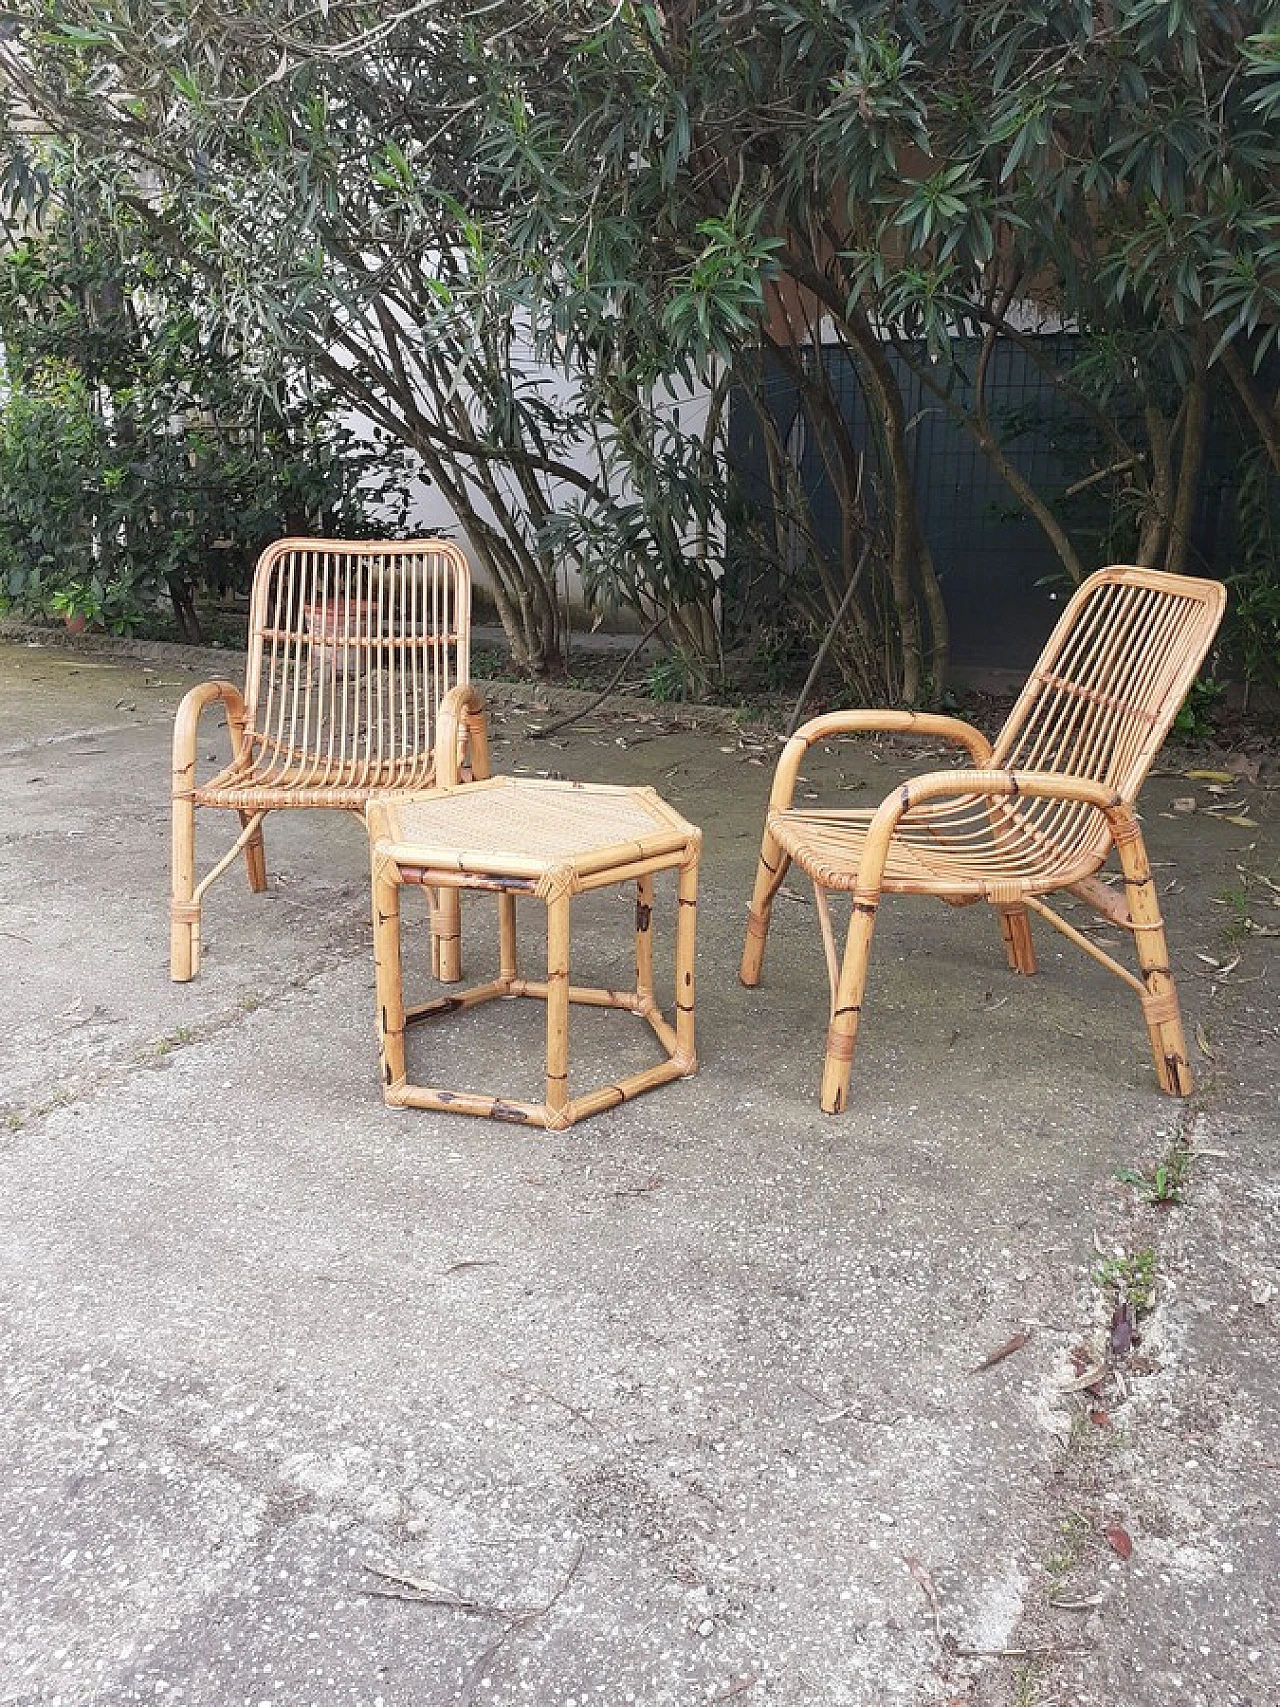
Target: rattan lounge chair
[(354, 648), (1039, 811)]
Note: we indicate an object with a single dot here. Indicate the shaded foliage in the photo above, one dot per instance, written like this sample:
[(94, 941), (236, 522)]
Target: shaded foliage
[(143, 450), (509, 234)]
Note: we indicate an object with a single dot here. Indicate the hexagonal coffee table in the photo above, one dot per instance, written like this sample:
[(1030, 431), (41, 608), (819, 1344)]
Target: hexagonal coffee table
[(513, 836)]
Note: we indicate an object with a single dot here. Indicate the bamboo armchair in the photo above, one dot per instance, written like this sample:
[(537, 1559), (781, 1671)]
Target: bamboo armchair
[(1039, 811), (355, 649)]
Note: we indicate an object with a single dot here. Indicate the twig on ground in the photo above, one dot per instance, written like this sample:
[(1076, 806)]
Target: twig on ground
[(564, 1404), (653, 1183), (513, 1619), (925, 1583), (740, 1688), (1021, 1338), (426, 1593), (516, 1624), (1039, 1651), (545, 729)]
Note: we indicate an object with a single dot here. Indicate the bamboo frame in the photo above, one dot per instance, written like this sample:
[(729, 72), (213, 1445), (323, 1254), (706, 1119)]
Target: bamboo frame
[(357, 653), (424, 842), (1040, 810)]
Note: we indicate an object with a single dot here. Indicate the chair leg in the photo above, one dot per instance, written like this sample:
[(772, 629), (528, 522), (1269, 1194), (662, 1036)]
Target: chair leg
[(769, 875), (1160, 1006), (255, 857), (686, 929), (508, 967), (1019, 949), (184, 912), (842, 1034)]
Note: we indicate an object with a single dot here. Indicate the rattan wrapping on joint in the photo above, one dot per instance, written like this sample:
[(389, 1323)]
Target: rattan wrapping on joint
[(1161, 1007)]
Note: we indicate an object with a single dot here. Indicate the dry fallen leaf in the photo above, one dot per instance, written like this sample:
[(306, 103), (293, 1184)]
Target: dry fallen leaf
[(1021, 1338), (1184, 803), (1090, 1378), (1123, 1337), (1210, 776), (1119, 1541)]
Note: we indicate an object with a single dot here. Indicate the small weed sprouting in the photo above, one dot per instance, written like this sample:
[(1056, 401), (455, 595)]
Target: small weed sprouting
[(1132, 1278), (1238, 925), (1164, 1184), (13, 1121), (176, 1039), (250, 1002), (1076, 1530), (1026, 1688)]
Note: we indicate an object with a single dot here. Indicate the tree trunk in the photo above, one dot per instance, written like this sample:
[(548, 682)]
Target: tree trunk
[(184, 609), (1195, 430), (906, 531), (1154, 536)]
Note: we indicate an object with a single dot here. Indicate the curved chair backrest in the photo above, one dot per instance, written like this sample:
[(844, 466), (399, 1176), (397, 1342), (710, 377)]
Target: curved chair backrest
[(1113, 677), (352, 646)]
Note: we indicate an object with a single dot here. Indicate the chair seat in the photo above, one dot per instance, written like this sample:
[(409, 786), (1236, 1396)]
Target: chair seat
[(969, 849), (267, 784)]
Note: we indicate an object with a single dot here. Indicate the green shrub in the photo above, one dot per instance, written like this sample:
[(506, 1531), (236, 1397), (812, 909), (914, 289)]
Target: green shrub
[(51, 452), (141, 459)]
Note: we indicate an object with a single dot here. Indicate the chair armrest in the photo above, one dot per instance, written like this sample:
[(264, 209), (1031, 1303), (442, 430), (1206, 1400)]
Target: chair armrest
[(925, 723), (185, 728), (1035, 785), (461, 724)]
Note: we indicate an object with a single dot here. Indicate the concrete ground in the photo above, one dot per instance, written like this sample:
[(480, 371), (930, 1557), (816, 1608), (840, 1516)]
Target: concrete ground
[(308, 1401)]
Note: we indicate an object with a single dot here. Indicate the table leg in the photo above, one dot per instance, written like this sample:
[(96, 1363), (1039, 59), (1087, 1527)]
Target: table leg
[(557, 1006), (644, 936), (388, 980), (507, 936), (686, 931)]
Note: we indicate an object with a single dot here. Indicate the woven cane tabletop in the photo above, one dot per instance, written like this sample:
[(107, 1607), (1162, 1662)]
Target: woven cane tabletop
[(519, 824)]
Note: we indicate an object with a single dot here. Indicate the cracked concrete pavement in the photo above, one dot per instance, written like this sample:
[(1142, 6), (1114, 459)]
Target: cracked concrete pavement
[(309, 1401)]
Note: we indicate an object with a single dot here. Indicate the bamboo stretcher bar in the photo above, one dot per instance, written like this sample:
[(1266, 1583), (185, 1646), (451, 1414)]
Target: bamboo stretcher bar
[(510, 1111), (1068, 930)]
